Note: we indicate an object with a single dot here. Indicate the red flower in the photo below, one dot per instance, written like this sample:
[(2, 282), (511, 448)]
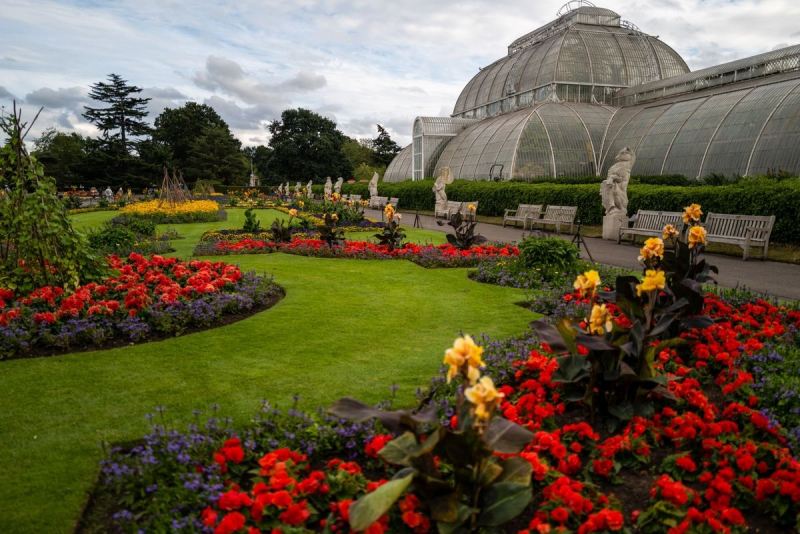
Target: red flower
[(230, 523), (296, 514), (374, 446)]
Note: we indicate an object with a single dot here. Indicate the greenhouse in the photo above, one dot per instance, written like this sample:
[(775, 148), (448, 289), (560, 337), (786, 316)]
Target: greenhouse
[(569, 95)]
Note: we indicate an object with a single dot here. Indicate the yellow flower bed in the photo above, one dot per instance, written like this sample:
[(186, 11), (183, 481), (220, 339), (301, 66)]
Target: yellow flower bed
[(151, 207)]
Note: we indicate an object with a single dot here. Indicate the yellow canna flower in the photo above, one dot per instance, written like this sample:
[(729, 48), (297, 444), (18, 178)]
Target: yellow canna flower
[(293, 212), (587, 283), (600, 320), (484, 397), (472, 207), (464, 352), (653, 248), (301, 203), (334, 217), (669, 232), (653, 281), (692, 214), (697, 236)]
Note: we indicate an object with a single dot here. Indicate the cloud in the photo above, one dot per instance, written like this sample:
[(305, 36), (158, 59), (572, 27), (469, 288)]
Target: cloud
[(62, 98), (243, 117), (5, 95), (228, 77)]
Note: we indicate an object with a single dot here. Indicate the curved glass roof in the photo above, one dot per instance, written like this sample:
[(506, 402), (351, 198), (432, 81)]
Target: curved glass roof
[(549, 139), (579, 50), (400, 167), (747, 130)]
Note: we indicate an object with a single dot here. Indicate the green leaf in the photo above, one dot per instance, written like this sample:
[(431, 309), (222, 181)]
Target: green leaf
[(491, 470), (506, 437), (444, 508), (399, 450), (372, 506), (451, 527), (516, 470), (503, 502)]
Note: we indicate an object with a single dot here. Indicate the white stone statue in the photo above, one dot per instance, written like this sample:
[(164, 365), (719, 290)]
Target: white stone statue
[(614, 191), (108, 194), (444, 179), (373, 185), (309, 192), (328, 187), (338, 187), (287, 189), (298, 188)]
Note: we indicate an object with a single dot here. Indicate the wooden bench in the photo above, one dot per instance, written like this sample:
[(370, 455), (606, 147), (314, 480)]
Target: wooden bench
[(524, 214), (650, 223), (746, 231), (355, 198), (454, 207), (558, 216), (394, 201), (378, 202)]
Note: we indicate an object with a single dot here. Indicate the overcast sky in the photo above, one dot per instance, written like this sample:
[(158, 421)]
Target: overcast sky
[(359, 62)]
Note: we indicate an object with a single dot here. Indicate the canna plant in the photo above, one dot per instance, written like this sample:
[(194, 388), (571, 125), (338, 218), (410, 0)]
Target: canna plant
[(329, 231), (463, 236), (608, 360), (457, 470), (392, 235), (282, 230)]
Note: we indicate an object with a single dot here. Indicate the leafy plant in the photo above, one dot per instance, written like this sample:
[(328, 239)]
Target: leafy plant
[(608, 360), (329, 231), (554, 259), (392, 235), (112, 239), (463, 235), (251, 223), (38, 245), (456, 470)]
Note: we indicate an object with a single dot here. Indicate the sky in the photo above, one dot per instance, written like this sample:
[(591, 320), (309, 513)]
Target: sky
[(357, 62)]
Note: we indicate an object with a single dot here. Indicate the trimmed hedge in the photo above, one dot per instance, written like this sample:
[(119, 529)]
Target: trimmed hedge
[(747, 197)]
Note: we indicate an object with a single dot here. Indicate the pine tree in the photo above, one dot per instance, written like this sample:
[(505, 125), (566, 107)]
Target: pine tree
[(384, 147), (122, 119)]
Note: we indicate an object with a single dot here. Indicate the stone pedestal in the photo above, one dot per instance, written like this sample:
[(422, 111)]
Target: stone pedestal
[(611, 225)]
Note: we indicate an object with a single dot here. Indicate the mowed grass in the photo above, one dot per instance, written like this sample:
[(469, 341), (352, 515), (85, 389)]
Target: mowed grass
[(346, 327)]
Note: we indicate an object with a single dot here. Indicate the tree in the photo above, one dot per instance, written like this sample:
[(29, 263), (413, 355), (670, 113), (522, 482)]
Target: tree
[(217, 156), (176, 131), (63, 156), (122, 119), (384, 147), (358, 151), (306, 145)]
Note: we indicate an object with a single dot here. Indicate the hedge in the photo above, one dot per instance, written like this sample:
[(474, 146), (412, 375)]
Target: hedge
[(748, 197), (761, 196)]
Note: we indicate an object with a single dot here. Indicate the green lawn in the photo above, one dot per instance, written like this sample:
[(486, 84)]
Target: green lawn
[(346, 327)]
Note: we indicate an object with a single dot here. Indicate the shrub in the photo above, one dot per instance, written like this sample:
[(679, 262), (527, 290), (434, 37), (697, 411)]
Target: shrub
[(251, 222), (141, 227), (112, 239), (553, 258), (752, 196)]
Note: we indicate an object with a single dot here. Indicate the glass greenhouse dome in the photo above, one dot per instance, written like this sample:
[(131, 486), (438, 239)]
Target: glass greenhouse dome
[(569, 95)]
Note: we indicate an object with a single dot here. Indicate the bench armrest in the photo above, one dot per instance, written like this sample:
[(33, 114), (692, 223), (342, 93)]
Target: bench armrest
[(511, 213), (751, 232)]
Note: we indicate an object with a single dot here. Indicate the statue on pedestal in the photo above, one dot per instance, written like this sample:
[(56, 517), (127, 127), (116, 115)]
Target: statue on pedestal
[(328, 187), (338, 187), (444, 179), (614, 191), (309, 193), (373, 185)]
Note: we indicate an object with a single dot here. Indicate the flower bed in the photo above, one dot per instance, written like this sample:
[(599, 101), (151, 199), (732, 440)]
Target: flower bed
[(143, 299), (705, 459), (189, 211), (426, 255)]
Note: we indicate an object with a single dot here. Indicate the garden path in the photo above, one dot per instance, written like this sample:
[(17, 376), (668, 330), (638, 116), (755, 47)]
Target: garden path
[(775, 278)]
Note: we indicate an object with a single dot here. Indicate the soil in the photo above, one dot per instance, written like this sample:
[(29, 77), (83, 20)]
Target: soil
[(116, 343)]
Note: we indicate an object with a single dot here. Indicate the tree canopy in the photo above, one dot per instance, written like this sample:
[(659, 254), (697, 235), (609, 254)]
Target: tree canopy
[(178, 129), (122, 119), (384, 148), (306, 145)]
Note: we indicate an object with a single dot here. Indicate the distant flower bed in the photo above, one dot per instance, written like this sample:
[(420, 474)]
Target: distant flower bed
[(143, 298), (182, 212), (428, 255)]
